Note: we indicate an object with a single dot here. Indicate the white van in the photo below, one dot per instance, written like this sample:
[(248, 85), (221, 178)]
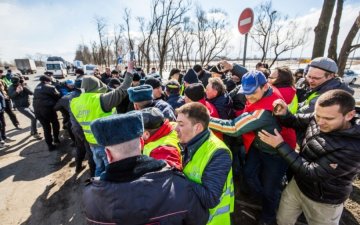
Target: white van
[(57, 68)]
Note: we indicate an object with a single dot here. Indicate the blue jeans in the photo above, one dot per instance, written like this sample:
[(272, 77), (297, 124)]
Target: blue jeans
[(264, 174), (100, 159), (29, 113)]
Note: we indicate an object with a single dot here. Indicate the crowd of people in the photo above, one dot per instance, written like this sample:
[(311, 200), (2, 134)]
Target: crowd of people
[(166, 151)]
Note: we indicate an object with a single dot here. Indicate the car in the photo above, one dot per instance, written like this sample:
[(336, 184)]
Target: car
[(89, 69), (349, 76), (57, 68)]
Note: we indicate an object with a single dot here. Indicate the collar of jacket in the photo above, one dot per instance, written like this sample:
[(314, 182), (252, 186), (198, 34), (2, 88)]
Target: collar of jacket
[(131, 168), (164, 130), (194, 144)]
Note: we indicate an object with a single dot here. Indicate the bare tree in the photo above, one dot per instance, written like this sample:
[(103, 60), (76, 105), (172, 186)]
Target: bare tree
[(261, 32), (118, 33), (276, 33), (169, 15), (332, 50), (146, 42), (347, 46), (101, 25), (127, 18), (182, 43), (322, 28), (211, 34)]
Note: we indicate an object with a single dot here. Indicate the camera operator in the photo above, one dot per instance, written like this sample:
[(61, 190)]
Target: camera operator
[(19, 94)]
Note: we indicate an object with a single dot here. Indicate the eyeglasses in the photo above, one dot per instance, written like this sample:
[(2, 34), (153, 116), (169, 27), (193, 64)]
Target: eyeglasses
[(314, 78)]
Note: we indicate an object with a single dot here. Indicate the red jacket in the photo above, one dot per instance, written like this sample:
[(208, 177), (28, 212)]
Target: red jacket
[(288, 134), (168, 153), (213, 113)]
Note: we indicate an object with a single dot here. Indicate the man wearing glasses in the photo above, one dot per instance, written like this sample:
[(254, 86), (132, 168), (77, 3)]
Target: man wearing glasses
[(321, 78)]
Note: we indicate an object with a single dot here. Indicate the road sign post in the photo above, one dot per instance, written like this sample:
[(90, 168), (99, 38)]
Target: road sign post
[(246, 20)]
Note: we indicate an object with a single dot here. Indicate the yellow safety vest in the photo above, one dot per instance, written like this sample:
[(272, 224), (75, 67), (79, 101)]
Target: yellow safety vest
[(293, 106), (220, 214), (169, 140), (87, 108)]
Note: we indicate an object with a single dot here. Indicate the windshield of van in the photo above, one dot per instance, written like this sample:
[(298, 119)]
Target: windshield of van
[(53, 67), (90, 67)]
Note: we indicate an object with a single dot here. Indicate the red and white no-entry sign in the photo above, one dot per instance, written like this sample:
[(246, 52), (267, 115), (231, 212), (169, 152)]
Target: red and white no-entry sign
[(246, 21)]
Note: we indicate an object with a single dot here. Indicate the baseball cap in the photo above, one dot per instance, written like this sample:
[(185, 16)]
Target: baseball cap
[(251, 81), (325, 64)]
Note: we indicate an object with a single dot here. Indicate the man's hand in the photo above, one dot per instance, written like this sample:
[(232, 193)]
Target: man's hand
[(19, 89), (227, 66), (130, 65), (272, 140), (280, 107)]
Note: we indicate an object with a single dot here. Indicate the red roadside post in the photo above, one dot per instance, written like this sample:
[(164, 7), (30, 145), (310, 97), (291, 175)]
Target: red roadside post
[(245, 22)]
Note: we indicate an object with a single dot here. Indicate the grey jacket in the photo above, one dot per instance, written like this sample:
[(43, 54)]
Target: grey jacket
[(20, 99)]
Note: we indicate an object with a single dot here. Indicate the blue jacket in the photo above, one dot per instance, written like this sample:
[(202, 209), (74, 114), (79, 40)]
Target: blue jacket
[(175, 100), (224, 106), (142, 190), (215, 173)]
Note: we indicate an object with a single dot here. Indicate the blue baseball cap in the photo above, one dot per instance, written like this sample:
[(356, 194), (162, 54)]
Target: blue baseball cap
[(251, 81)]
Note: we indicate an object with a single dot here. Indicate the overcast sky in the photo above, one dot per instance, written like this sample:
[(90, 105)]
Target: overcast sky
[(58, 27)]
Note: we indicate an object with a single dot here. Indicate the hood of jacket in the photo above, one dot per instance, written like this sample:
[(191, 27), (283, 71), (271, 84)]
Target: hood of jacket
[(93, 85)]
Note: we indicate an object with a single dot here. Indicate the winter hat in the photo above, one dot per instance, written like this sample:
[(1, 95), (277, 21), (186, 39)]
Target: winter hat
[(140, 93), (70, 82), (191, 77), (118, 128), (15, 80), (325, 64), (79, 71), (93, 85), (173, 71), (214, 69), (153, 82), (251, 81), (45, 78), (48, 73), (197, 68), (195, 92), (114, 81), (136, 77), (153, 118), (114, 72)]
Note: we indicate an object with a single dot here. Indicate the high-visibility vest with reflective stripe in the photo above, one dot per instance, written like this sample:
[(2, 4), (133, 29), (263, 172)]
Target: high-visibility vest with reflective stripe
[(169, 140), (220, 214), (293, 106), (308, 100), (87, 108)]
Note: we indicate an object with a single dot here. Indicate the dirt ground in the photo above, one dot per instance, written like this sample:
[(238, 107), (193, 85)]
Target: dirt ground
[(41, 187)]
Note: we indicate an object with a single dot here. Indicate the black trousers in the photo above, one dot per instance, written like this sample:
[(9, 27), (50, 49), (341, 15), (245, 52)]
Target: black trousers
[(2, 126), (9, 111), (49, 120), (83, 147)]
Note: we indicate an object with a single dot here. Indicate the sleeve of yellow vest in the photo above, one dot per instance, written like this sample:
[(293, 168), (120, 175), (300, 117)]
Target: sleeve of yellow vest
[(114, 98), (213, 179)]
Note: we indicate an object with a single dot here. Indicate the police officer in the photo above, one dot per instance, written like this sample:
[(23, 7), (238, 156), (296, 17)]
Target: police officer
[(137, 189), (45, 98)]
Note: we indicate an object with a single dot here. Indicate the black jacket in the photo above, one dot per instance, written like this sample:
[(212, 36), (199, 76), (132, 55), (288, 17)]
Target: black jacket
[(141, 190), (204, 77), (331, 84), (327, 163), (20, 99), (45, 96)]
